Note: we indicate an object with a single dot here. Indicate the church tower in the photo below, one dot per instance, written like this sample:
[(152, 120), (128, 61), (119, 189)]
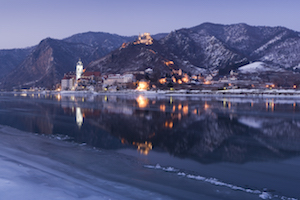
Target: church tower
[(79, 69)]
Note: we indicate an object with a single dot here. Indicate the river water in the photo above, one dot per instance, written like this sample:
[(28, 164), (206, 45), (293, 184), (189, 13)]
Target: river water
[(243, 147)]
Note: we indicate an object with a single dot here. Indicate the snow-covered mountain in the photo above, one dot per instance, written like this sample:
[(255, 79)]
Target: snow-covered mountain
[(200, 49), (44, 65)]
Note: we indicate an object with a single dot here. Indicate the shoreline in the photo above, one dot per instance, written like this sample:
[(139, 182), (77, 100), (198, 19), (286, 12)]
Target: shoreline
[(243, 93)]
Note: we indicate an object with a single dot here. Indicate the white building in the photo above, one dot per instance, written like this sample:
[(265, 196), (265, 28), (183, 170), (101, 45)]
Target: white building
[(67, 83), (79, 69), (117, 78)]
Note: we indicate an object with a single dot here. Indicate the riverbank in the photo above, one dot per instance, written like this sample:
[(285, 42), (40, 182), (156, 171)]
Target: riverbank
[(40, 167), (261, 93)]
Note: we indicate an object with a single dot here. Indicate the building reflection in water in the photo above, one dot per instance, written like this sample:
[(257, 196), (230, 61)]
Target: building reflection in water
[(79, 117), (202, 129), (142, 101), (143, 148)]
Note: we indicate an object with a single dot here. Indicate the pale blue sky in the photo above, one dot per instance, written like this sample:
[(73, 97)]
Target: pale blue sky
[(26, 22)]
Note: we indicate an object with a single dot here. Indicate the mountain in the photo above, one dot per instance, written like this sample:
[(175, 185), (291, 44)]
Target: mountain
[(206, 49), (215, 46), (209, 47), (46, 64), (11, 58), (132, 57)]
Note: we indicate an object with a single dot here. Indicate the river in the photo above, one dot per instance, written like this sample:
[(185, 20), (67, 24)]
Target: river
[(178, 147)]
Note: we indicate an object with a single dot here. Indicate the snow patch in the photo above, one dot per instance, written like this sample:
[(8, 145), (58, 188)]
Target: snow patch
[(253, 67), (214, 181), (251, 122)]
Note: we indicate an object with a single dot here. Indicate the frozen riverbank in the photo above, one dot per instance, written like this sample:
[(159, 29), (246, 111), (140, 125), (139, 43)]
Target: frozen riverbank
[(250, 93), (41, 167), (37, 167)]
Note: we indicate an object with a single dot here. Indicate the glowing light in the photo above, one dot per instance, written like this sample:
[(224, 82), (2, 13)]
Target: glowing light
[(162, 80), (174, 108), (23, 95), (185, 110), (162, 108), (174, 79), (179, 107), (168, 63), (206, 106), (143, 148), (123, 141), (295, 86), (143, 85), (124, 45), (207, 83), (186, 78), (169, 124), (79, 117), (142, 101), (224, 103), (179, 116), (179, 81), (58, 97), (195, 111), (144, 39)]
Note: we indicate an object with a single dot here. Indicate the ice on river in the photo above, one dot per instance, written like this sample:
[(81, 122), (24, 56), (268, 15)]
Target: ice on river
[(35, 167)]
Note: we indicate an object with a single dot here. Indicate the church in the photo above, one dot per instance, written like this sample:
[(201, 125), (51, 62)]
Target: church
[(79, 79)]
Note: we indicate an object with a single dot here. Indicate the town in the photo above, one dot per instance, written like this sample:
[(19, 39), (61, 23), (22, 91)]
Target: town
[(177, 79)]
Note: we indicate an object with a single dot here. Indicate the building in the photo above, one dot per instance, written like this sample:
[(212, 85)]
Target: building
[(79, 69), (144, 39), (117, 78), (68, 82), (91, 76)]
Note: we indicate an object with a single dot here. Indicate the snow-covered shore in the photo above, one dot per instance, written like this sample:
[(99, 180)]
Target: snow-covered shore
[(263, 93), (36, 167)]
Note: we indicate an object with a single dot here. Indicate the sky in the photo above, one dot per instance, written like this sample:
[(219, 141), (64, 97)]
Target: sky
[(24, 23)]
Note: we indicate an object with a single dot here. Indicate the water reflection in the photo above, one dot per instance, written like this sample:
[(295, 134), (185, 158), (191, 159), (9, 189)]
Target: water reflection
[(79, 117), (205, 129), (142, 101)]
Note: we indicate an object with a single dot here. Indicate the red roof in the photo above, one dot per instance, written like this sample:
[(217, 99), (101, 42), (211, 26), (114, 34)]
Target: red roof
[(91, 74)]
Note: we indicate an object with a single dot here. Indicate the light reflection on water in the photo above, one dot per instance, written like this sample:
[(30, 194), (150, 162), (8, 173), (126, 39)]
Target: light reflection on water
[(202, 128)]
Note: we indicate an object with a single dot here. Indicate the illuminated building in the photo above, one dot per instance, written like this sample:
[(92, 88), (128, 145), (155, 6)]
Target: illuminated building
[(144, 39), (67, 83), (79, 69), (118, 78), (143, 85)]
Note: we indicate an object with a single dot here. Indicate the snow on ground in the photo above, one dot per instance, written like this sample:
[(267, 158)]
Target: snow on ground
[(34, 167), (251, 122), (253, 67)]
